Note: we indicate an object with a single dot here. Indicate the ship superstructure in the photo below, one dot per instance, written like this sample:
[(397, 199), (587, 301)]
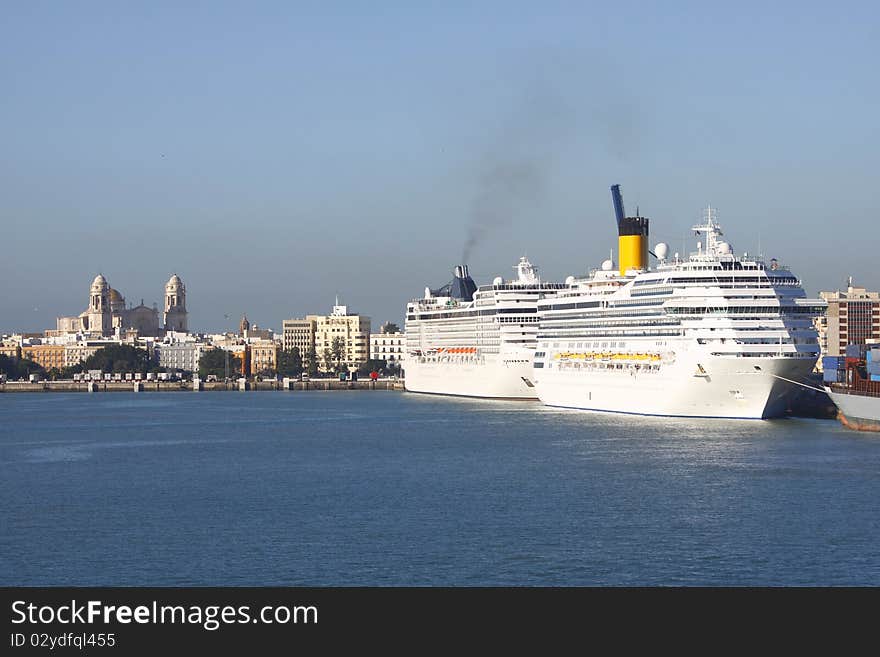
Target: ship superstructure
[(476, 342), (710, 335)]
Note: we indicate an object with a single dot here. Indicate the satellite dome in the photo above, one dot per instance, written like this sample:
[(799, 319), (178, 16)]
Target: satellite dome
[(662, 250), (569, 280), (608, 265), (723, 248), (497, 280)]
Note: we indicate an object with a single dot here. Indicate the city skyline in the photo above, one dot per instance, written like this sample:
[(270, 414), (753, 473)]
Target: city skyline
[(277, 155)]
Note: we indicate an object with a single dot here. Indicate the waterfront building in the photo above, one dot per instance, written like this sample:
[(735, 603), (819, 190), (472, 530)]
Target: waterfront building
[(77, 352), (47, 356), (180, 355), (317, 333), (299, 333), (388, 346), (11, 348), (263, 356), (352, 328), (853, 317)]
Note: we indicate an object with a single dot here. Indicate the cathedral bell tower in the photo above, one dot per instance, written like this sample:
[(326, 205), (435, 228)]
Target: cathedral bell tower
[(100, 319), (175, 305)]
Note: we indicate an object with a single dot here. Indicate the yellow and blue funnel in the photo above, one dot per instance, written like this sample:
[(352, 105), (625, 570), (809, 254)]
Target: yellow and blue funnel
[(632, 236)]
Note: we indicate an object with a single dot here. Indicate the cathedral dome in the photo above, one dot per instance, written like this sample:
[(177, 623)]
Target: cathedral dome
[(99, 281), (115, 296), (174, 281)]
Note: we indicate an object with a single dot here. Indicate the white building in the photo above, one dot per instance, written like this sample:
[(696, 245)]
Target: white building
[(318, 333), (78, 352), (389, 347), (180, 355)]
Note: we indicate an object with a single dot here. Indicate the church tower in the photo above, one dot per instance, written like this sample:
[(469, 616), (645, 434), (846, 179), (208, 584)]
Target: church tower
[(175, 305), (99, 315)]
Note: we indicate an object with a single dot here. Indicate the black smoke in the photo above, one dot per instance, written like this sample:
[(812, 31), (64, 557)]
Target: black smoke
[(506, 191), (546, 122)]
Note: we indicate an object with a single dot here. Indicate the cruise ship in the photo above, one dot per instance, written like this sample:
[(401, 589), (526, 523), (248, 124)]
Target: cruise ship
[(476, 342), (710, 335)]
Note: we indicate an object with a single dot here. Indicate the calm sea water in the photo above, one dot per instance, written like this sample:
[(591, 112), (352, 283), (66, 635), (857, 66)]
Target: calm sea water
[(384, 488)]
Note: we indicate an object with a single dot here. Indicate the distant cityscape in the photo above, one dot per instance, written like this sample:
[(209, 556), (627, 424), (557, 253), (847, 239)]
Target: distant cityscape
[(339, 342)]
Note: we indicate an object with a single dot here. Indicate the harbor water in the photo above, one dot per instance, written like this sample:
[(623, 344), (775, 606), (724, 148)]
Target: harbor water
[(387, 488)]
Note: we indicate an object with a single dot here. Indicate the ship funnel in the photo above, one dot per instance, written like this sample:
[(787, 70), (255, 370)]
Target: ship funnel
[(462, 285), (632, 236), (617, 199)]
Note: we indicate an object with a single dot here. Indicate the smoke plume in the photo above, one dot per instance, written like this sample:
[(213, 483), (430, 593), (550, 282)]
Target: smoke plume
[(506, 191), (547, 118)]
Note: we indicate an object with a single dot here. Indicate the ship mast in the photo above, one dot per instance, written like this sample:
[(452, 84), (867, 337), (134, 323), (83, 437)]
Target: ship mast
[(712, 229)]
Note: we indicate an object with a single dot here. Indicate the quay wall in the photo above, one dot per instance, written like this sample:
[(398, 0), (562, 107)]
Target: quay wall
[(168, 386)]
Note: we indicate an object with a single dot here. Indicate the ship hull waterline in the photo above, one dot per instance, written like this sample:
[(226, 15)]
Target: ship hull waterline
[(729, 388), (511, 380)]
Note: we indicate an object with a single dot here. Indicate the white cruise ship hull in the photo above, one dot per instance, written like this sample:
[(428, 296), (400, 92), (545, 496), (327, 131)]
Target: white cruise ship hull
[(497, 379), (725, 388)]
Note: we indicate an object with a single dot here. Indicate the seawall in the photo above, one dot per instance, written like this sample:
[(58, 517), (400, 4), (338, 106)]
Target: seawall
[(183, 386)]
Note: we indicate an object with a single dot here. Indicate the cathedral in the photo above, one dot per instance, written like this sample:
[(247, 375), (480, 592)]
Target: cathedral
[(108, 315)]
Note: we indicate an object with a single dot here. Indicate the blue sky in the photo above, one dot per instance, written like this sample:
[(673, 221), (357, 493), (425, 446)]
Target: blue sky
[(275, 154)]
